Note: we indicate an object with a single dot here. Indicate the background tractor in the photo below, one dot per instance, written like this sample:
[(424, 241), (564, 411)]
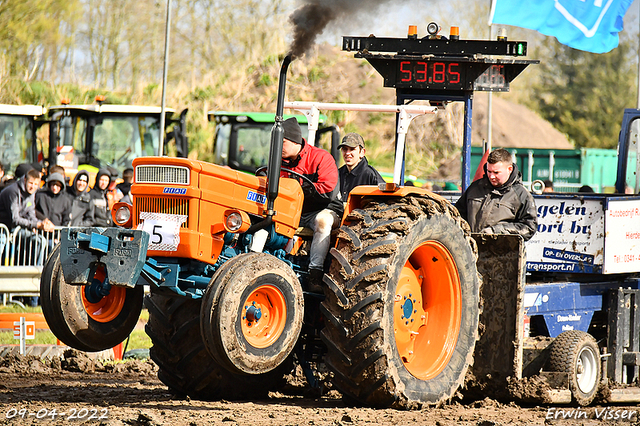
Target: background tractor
[(243, 139), (18, 127), (229, 307), (110, 136)]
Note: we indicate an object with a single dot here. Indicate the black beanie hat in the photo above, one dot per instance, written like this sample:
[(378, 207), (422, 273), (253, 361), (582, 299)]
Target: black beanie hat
[(292, 130)]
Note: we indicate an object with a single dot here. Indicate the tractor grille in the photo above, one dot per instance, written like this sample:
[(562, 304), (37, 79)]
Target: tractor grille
[(163, 205), (162, 174)]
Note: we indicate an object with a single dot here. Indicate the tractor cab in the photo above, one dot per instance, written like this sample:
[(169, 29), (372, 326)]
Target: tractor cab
[(242, 139), (18, 142), (111, 136)]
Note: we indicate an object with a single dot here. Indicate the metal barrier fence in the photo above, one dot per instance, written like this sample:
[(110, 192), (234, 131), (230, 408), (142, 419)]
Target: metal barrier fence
[(22, 255)]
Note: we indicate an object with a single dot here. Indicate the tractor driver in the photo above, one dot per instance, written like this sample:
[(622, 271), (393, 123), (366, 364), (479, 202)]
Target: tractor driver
[(498, 203), (321, 210)]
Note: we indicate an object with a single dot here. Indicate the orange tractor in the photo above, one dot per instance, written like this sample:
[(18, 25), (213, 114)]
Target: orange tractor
[(229, 308)]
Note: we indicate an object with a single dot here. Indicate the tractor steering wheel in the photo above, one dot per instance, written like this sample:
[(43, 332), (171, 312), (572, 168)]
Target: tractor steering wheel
[(263, 171)]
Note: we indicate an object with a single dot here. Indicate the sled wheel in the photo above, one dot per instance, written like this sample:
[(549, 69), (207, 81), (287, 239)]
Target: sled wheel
[(576, 353), (83, 325), (252, 313), (402, 303), (185, 365)]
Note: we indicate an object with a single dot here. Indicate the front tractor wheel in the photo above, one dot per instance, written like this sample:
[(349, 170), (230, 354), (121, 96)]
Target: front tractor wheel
[(184, 363), (403, 303), (252, 313), (83, 318)]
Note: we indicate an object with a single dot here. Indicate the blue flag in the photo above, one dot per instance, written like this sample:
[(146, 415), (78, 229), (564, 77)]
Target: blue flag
[(590, 25)]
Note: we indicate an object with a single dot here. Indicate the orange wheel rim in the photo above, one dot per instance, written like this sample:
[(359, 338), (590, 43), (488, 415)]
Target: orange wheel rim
[(427, 310), (264, 316), (109, 307)]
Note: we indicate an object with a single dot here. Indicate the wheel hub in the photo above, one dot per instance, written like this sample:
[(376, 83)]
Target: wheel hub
[(264, 316), (96, 291), (253, 313), (407, 307), (587, 370), (409, 315)]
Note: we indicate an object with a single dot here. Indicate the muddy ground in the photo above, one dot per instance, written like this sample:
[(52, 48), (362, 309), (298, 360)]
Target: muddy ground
[(77, 390)]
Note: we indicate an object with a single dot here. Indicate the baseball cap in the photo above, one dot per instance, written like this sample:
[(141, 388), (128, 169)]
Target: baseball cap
[(352, 140), (292, 130)]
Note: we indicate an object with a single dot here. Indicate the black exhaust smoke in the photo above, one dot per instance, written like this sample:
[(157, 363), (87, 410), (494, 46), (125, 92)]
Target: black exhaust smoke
[(310, 19)]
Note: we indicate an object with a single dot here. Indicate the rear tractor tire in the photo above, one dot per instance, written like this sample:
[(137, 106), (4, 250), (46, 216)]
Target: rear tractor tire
[(81, 321), (402, 305), (576, 353)]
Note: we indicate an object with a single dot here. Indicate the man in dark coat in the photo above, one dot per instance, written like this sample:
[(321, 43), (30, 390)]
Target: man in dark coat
[(52, 202), (18, 209), (356, 170), (498, 203), (102, 215), (81, 205), (18, 205)]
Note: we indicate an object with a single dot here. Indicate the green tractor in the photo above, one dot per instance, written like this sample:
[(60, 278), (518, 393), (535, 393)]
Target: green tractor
[(243, 139)]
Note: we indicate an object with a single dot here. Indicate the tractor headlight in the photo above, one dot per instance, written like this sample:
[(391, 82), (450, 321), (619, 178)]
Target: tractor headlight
[(121, 214), (236, 221)]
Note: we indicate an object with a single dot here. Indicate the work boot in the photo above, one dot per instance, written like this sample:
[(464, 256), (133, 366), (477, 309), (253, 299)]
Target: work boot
[(315, 280)]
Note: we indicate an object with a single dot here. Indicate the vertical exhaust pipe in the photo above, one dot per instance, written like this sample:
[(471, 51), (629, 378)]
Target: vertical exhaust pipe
[(277, 135)]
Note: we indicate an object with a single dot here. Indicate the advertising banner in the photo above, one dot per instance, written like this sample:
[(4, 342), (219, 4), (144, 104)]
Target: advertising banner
[(570, 236), (622, 237)]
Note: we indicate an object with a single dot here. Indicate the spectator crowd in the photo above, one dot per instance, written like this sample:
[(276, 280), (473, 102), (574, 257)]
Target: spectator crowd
[(34, 202)]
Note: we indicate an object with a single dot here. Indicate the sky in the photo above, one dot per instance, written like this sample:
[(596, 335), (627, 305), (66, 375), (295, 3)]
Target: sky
[(387, 19)]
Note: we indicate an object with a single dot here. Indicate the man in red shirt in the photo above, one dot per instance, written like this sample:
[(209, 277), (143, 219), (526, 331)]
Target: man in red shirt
[(321, 210)]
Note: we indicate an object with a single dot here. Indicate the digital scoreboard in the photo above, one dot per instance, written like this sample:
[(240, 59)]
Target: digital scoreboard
[(442, 66), (435, 74)]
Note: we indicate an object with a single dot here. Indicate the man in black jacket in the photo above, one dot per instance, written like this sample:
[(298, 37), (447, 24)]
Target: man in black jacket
[(82, 209), (18, 206), (52, 202), (356, 170), (99, 194), (498, 203), (18, 209)]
